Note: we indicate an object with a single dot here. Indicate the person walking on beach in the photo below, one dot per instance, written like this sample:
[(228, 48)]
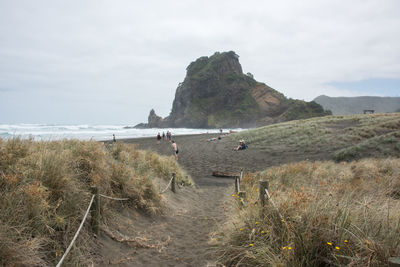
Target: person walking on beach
[(114, 140), (175, 149), (158, 138), (163, 135)]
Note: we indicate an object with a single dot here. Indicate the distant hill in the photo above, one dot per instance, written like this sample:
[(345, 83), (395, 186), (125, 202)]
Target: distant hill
[(356, 105), (216, 93)]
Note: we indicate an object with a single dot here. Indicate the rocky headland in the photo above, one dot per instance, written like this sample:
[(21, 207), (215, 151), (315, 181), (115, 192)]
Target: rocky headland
[(216, 93)]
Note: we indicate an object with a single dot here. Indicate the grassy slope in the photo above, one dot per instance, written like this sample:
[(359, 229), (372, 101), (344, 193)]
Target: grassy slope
[(334, 214), (45, 189), (339, 137)]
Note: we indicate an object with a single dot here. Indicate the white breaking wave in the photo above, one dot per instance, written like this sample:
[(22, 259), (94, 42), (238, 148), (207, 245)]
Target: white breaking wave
[(87, 132)]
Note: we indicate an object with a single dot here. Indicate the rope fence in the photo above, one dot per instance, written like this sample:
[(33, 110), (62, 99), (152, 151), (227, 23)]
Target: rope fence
[(171, 183), (273, 204), (94, 207), (264, 195), (76, 234), (113, 198)]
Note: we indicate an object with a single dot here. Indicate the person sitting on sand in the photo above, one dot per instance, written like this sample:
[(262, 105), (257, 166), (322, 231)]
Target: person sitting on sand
[(175, 149), (242, 145)]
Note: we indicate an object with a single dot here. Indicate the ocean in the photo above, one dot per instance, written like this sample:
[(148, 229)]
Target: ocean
[(49, 132)]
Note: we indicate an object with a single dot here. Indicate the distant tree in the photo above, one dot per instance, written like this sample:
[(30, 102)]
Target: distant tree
[(250, 75)]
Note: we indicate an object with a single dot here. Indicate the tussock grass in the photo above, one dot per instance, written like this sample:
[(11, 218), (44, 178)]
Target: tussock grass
[(45, 190), (334, 214), (342, 137)]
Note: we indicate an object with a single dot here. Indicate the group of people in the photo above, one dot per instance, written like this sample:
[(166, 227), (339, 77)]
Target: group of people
[(169, 138), (163, 136), (242, 144)]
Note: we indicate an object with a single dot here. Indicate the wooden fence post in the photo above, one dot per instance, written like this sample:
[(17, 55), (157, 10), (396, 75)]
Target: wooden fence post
[(173, 182), (262, 185), (95, 211), (241, 174), (394, 262), (236, 184)]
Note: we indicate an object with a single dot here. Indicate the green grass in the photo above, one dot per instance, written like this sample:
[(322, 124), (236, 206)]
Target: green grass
[(45, 190), (342, 137)]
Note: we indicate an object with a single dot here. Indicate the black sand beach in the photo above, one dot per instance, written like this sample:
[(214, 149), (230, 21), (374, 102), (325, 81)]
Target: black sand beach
[(200, 157), (185, 231)]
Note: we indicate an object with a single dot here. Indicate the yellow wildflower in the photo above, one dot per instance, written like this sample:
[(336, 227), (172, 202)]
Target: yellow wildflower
[(346, 241), (337, 248), (256, 222), (289, 247), (251, 245), (233, 195), (329, 243), (284, 248), (241, 229), (262, 232)]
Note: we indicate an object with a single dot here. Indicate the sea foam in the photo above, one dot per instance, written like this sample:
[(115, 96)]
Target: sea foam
[(87, 131)]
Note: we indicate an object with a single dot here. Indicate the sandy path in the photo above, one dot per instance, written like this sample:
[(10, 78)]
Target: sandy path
[(182, 234)]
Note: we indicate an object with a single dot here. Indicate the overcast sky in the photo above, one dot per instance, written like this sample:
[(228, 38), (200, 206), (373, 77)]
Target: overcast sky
[(109, 62)]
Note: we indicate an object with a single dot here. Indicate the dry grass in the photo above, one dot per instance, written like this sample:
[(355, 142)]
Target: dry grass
[(334, 215), (45, 190)]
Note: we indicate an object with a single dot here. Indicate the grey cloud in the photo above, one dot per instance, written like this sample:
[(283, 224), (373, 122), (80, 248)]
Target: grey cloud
[(129, 56)]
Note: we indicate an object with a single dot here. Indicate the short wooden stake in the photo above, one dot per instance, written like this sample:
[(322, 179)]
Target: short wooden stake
[(95, 211), (262, 186), (173, 182), (394, 262), (236, 184), (241, 174)]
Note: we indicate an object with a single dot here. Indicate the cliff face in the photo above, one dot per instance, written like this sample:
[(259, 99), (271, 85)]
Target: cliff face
[(216, 93)]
